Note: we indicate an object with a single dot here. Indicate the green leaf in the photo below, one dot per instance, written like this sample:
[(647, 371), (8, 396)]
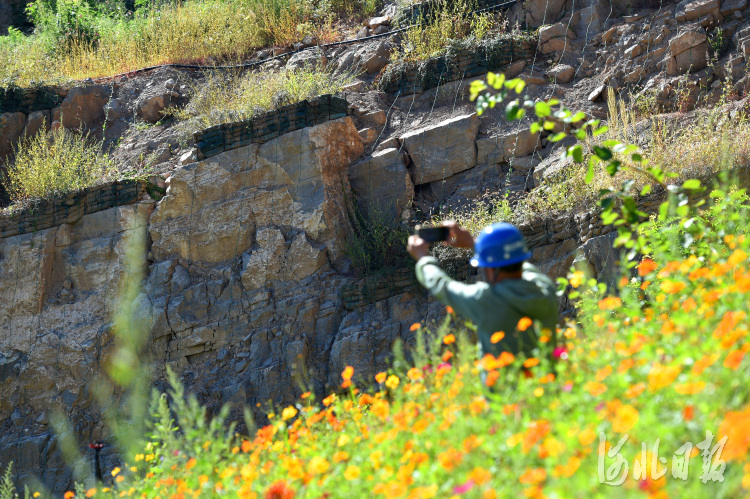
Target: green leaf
[(535, 127), (553, 102), (542, 109), (646, 189), (637, 157), (600, 130), (610, 217), (663, 210), (590, 173), (516, 84), (613, 167), (577, 153), (692, 184), (581, 134), (558, 137), (578, 117), (513, 111), (549, 125), (611, 143), (603, 153), (499, 81)]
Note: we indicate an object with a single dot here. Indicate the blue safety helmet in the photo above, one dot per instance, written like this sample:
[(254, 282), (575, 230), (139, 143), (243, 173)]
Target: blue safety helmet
[(499, 245)]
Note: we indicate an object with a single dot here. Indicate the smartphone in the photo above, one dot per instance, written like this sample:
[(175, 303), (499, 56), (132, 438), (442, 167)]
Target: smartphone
[(433, 234)]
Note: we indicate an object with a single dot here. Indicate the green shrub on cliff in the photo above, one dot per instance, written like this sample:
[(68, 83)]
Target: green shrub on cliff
[(63, 162)]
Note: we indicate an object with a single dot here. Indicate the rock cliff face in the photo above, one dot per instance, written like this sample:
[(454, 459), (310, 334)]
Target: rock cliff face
[(242, 291)]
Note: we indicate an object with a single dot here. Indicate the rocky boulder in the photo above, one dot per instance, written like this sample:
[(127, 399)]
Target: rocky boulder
[(555, 37), (688, 52), (38, 121), (313, 58), (441, 150), (382, 184), (689, 10), (561, 73), (83, 108), (371, 57), (540, 12), (264, 263), (11, 130), (502, 147), (150, 106), (212, 207)]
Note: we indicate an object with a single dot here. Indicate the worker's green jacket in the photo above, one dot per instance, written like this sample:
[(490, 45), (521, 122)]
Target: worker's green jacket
[(497, 307)]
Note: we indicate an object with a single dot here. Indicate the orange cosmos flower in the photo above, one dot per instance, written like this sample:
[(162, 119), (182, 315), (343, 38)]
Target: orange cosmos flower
[(480, 476), (447, 355), (569, 468), (533, 476), (610, 303), (450, 459), (392, 382), (625, 365), (690, 388), (449, 309), (279, 490), (595, 388), (414, 374), (626, 416), (734, 427), (340, 456), (646, 266), (352, 472), (635, 390), (318, 465), (507, 409), (191, 462), (586, 437), (497, 337), (737, 257), (530, 362), (492, 377), (687, 413), (733, 359), (288, 413), (448, 339), (478, 405), (69, 494), (524, 323), (536, 431), (380, 377), (660, 376), (602, 373), (728, 322), (329, 399), (672, 287), (415, 326), (703, 363)]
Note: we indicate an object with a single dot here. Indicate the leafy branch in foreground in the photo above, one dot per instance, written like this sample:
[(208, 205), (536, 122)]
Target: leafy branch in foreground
[(613, 154)]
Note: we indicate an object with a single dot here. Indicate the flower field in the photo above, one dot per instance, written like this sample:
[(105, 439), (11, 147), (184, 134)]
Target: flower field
[(635, 401)]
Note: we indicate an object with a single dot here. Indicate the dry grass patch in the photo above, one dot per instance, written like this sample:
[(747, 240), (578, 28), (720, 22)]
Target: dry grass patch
[(223, 97), (200, 31)]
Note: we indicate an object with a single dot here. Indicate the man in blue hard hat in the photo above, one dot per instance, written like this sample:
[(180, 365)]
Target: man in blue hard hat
[(512, 288)]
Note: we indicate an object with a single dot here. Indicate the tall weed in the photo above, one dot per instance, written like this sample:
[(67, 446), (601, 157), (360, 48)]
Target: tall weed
[(63, 162)]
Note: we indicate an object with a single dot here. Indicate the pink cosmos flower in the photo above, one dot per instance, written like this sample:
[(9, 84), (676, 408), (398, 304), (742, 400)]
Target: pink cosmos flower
[(463, 488)]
